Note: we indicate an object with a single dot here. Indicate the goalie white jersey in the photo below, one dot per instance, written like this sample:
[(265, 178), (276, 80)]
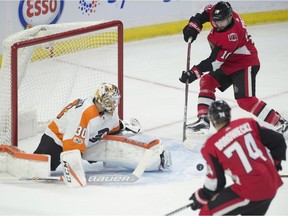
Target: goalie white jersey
[(80, 125)]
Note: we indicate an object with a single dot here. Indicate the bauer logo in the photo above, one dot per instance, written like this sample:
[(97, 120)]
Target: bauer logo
[(37, 12), (111, 178)]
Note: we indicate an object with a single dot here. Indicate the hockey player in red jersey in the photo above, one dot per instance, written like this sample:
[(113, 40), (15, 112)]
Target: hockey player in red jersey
[(250, 154), (233, 61)]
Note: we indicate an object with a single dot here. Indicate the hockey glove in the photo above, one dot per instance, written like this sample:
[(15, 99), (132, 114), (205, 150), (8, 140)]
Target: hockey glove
[(190, 75), (133, 125), (192, 29), (198, 200)]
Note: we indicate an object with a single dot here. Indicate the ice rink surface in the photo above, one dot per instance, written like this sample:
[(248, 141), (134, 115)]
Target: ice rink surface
[(154, 95)]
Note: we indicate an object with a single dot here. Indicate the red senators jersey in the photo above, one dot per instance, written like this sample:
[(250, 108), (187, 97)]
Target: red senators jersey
[(236, 49), (80, 125), (238, 151)]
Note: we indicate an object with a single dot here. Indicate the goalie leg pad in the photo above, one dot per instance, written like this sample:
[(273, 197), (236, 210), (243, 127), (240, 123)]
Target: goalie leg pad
[(127, 153), (18, 163), (74, 175)]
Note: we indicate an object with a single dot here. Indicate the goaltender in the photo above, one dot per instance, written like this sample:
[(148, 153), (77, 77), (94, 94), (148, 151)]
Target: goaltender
[(89, 126)]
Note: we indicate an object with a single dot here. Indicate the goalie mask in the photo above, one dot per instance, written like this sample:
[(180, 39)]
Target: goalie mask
[(108, 96)]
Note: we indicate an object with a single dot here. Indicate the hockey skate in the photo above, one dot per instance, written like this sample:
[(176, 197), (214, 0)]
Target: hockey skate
[(282, 127), (202, 125), (165, 160)]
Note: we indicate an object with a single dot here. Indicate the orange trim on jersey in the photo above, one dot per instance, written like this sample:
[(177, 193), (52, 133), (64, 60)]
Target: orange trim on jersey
[(132, 142), (54, 128), (17, 153), (69, 144)]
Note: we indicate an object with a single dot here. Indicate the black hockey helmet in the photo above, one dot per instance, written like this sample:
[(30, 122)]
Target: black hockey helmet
[(219, 111), (222, 11)]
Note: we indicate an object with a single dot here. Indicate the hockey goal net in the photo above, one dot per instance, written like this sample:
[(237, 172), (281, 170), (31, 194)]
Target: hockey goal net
[(48, 66)]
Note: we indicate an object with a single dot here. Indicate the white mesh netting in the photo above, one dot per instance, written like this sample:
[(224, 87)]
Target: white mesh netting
[(52, 74)]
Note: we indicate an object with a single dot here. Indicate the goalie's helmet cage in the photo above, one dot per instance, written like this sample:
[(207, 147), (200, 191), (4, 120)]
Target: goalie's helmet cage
[(219, 112), (108, 95), (222, 11)]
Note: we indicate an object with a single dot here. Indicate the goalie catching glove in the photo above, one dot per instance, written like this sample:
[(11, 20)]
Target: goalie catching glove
[(133, 125), (190, 75)]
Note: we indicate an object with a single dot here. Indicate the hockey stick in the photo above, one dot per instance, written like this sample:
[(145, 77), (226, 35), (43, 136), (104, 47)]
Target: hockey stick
[(179, 209), (48, 179), (284, 176), (186, 89), (92, 179)]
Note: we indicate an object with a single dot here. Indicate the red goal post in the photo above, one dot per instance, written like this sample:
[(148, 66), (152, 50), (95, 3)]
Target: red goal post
[(47, 66)]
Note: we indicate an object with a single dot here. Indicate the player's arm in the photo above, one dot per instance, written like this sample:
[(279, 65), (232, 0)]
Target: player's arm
[(83, 129), (195, 25), (221, 49), (214, 183), (209, 64), (275, 142), (75, 141), (76, 132), (217, 57), (115, 130)]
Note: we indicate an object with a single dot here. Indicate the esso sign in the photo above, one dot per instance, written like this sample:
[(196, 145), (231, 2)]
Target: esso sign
[(36, 12)]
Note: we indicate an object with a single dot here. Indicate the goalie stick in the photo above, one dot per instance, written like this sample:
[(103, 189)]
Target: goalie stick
[(186, 89), (91, 179), (180, 209), (48, 179)]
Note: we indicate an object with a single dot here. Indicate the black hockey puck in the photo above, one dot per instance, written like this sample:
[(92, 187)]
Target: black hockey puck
[(200, 167)]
